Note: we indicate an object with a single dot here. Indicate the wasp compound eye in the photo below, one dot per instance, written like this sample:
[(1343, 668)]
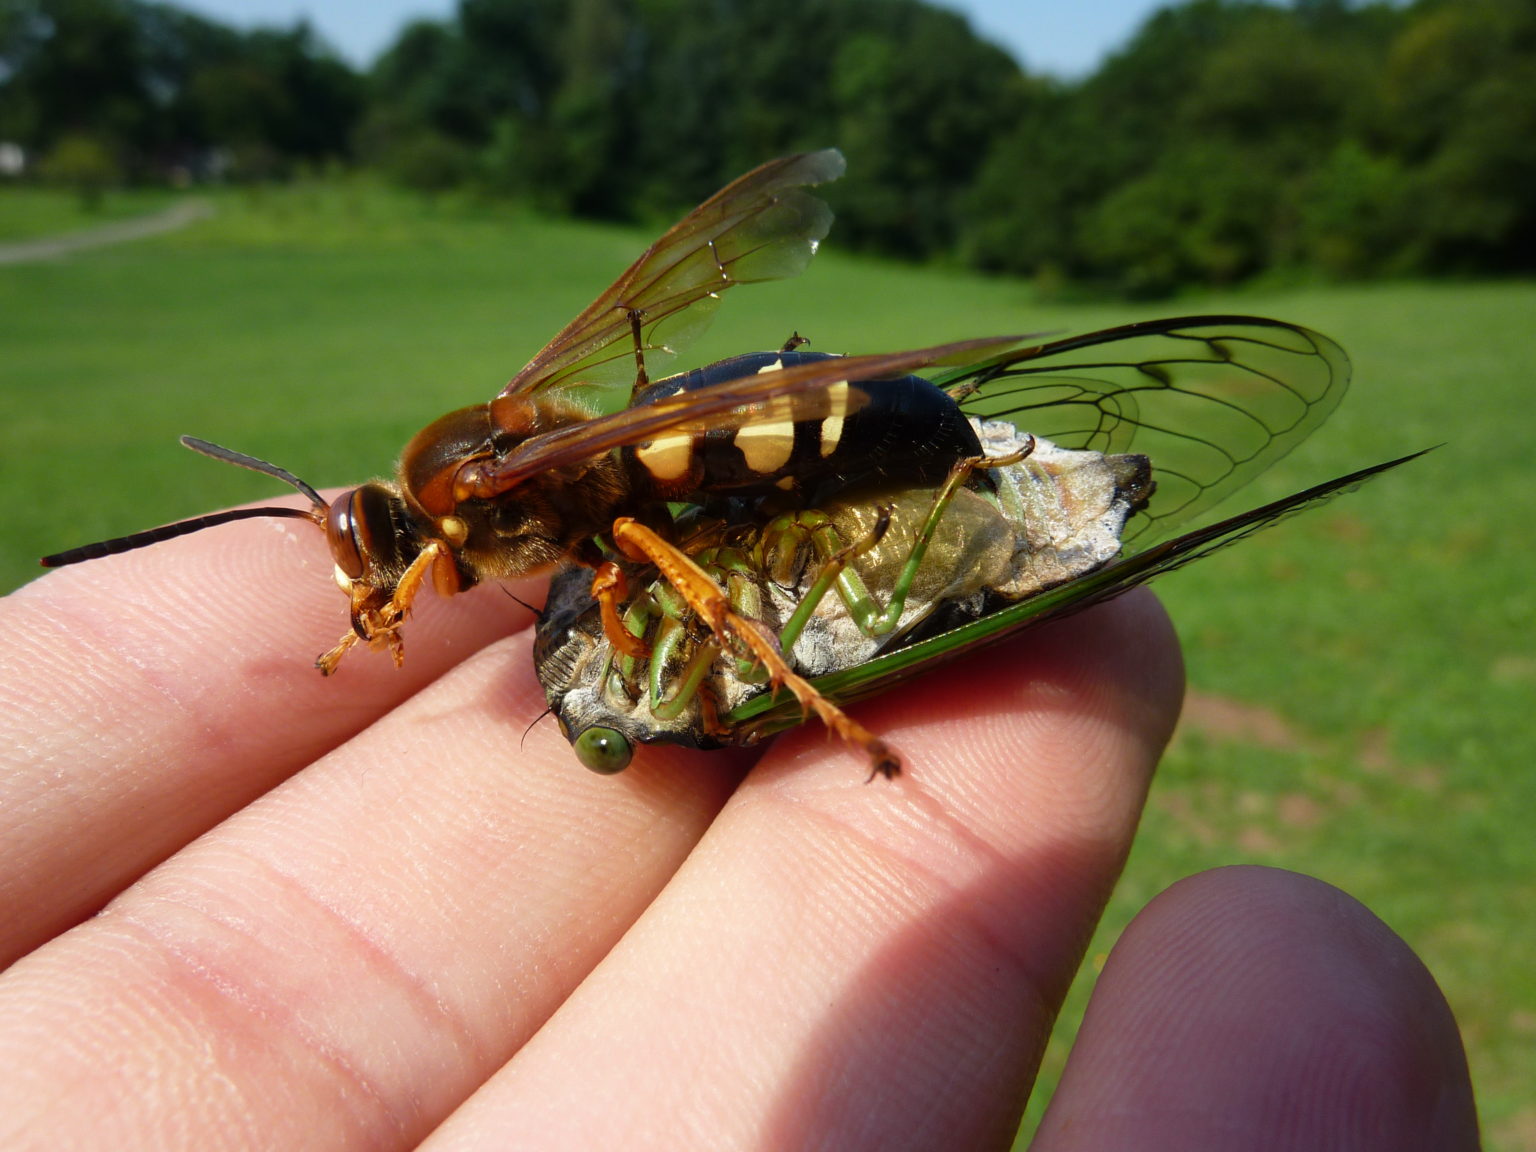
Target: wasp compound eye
[(603, 750)]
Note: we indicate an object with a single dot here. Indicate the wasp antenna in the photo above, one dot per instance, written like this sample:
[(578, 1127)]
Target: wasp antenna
[(166, 532), (241, 460)]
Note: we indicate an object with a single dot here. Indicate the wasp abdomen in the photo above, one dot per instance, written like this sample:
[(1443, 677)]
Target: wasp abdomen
[(814, 442)]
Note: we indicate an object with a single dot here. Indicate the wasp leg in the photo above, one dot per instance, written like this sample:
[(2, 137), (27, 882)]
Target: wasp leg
[(709, 715), (641, 376), (380, 627), (609, 588), (740, 633), (327, 661)]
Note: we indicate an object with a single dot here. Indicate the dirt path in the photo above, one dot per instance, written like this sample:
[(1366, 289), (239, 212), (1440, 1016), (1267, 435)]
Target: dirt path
[(178, 215)]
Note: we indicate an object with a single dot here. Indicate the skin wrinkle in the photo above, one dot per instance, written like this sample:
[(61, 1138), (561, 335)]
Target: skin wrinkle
[(150, 679), (58, 631), (972, 922), (550, 943), (870, 983), (183, 997), (131, 781), (948, 828), (270, 1012), (428, 1004), (894, 862), (198, 736), (427, 705)]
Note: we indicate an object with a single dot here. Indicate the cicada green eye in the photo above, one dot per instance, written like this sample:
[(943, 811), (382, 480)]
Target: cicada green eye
[(603, 750)]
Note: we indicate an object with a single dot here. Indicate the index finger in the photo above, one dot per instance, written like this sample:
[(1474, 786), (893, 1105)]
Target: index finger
[(145, 697)]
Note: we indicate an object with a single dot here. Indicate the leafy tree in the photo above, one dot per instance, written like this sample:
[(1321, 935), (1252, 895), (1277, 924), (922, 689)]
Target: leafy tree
[(1353, 213), (71, 68), (156, 86), (1462, 82), (85, 164), (629, 107)]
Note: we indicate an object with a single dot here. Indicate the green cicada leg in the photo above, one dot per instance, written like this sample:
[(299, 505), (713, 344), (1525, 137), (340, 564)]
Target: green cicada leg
[(671, 692), (872, 621), (678, 664), (744, 592), (865, 611), (638, 618), (744, 636), (822, 532), (619, 674)]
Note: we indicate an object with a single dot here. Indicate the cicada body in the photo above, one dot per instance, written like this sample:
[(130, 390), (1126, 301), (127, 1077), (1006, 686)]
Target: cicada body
[(874, 569), (992, 573)]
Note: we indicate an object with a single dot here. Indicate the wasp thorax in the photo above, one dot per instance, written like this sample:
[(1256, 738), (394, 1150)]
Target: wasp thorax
[(432, 460)]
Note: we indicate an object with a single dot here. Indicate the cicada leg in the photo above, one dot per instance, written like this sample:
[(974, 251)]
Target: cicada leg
[(671, 694), (745, 636), (865, 611), (673, 672), (819, 528)]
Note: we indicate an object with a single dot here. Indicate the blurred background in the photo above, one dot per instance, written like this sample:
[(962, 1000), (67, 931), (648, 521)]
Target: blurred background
[(331, 222), (1210, 143)]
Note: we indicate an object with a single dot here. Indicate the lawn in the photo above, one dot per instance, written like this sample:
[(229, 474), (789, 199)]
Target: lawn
[(1362, 677), (27, 213)]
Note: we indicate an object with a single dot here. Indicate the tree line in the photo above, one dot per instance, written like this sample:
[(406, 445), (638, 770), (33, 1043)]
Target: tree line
[(1226, 139)]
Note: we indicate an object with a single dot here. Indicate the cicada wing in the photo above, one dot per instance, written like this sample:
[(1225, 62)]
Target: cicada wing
[(1212, 400), (763, 226), (769, 712)]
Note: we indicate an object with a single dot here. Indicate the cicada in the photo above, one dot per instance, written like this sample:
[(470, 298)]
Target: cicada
[(963, 574), (583, 458)]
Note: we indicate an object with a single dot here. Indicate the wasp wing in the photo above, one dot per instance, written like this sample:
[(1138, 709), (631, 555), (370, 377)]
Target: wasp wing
[(1213, 400), (764, 397), (763, 226), (773, 712)]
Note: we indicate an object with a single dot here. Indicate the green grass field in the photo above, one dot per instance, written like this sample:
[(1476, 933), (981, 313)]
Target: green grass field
[(1363, 675), (26, 213)]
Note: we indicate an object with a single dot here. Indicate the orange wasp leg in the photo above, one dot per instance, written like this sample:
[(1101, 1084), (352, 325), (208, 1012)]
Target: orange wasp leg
[(381, 626), (738, 632), (609, 589)]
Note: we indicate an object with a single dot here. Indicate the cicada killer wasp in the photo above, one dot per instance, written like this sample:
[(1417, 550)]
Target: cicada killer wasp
[(580, 452)]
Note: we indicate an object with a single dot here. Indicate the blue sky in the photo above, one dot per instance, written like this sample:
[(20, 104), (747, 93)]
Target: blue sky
[(1066, 39)]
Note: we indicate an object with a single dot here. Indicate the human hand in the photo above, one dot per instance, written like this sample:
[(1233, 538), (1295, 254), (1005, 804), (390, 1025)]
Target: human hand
[(370, 912)]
